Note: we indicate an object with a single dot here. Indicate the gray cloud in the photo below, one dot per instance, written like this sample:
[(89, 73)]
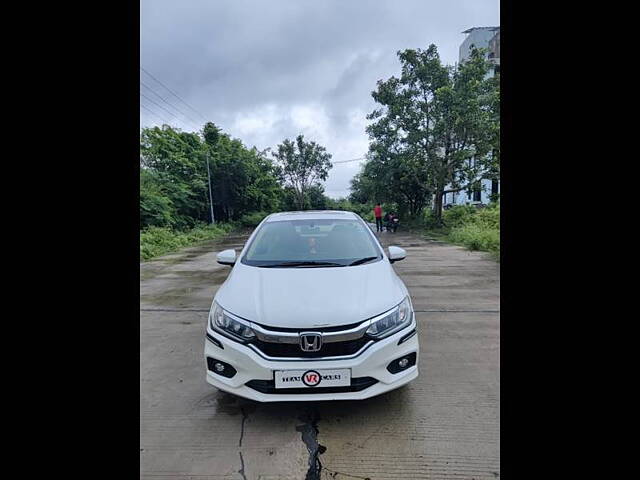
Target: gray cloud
[(268, 70)]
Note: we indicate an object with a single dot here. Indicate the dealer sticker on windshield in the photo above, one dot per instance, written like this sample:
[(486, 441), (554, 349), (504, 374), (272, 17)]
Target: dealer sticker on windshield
[(313, 378)]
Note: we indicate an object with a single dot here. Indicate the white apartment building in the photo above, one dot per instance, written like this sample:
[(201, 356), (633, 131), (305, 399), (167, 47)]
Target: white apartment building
[(480, 37)]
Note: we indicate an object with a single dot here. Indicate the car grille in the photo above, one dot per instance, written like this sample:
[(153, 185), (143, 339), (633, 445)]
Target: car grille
[(269, 386), (334, 349), (336, 328)]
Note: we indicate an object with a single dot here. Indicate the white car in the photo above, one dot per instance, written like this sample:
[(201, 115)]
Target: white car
[(312, 310)]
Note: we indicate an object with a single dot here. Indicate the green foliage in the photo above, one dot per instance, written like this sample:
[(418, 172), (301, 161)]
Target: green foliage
[(314, 199), (174, 181), (458, 215), (156, 208), (174, 160), (417, 223), (252, 220), (475, 229), (243, 180), (437, 126), (301, 165), (476, 237), (156, 241), (175, 170), (345, 204)]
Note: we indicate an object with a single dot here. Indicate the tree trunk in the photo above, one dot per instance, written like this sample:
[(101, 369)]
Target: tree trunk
[(437, 206), (300, 199)]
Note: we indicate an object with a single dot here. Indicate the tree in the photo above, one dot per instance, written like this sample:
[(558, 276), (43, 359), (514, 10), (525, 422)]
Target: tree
[(156, 208), (174, 181), (314, 199), (211, 134), (301, 165), (436, 128), (392, 179), (176, 160), (467, 122), (243, 180)]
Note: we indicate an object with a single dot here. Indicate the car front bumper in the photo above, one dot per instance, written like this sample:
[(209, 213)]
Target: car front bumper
[(371, 363)]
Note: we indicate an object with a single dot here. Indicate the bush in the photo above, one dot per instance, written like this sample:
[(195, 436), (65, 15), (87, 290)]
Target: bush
[(489, 216), (156, 241), (418, 222), (476, 229), (476, 237), (458, 215), (252, 219)]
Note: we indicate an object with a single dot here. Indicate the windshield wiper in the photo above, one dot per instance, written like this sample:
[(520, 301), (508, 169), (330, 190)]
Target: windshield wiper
[(362, 260), (308, 263)]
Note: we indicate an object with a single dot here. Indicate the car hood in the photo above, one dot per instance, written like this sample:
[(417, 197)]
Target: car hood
[(310, 297)]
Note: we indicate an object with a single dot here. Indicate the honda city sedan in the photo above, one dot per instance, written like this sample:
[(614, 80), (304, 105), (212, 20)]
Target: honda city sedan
[(311, 310)]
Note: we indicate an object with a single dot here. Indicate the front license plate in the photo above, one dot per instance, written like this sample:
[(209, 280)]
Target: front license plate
[(313, 378)]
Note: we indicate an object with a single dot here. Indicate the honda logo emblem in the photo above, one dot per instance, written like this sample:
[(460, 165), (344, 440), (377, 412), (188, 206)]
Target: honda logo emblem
[(310, 341)]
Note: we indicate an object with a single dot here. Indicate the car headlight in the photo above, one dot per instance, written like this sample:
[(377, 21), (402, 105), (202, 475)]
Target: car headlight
[(221, 321), (395, 320)]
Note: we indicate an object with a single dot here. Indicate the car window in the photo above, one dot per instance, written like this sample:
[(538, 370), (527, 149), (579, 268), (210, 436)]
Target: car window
[(331, 241)]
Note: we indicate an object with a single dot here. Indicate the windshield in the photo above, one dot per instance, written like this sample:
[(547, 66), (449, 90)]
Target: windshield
[(308, 243)]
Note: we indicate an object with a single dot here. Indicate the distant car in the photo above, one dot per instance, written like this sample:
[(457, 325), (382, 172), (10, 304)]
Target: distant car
[(312, 310)]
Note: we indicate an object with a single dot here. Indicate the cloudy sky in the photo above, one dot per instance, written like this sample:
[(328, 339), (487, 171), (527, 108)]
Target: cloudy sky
[(268, 70)]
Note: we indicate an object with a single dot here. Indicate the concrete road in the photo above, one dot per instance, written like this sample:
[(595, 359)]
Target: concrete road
[(444, 425)]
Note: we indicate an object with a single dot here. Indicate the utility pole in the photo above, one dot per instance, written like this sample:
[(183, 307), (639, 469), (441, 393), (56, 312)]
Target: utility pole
[(213, 220)]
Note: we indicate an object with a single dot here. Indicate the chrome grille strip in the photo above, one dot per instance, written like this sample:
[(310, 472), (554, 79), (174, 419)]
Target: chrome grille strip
[(327, 337), (309, 359)]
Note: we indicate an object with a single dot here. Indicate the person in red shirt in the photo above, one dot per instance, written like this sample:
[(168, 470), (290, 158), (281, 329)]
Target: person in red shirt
[(377, 211)]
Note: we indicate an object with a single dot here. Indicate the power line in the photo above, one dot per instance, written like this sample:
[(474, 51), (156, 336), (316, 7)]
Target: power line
[(172, 93), (153, 113), (167, 122), (170, 104), (158, 105)]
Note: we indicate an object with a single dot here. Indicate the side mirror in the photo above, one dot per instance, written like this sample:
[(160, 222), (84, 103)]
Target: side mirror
[(227, 257), (396, 254)]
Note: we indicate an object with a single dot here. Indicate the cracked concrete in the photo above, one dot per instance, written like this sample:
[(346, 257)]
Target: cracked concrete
[(444, 425)]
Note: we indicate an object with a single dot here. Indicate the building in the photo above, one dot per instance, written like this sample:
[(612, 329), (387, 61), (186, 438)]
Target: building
[(494, 51), (480, 37), (489, 38)]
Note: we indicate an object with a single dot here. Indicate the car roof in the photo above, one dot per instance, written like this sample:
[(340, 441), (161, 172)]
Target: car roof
[(312, 215)]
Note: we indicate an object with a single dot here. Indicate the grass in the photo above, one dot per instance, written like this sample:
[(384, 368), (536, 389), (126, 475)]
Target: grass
[(438, 234), (472, 228), (477, 237), (156, 241)]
